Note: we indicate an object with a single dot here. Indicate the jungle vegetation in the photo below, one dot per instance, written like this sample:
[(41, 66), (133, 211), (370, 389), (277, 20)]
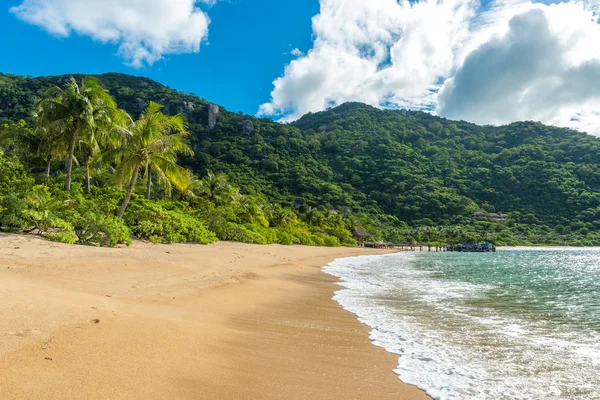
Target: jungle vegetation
[(100, 160)]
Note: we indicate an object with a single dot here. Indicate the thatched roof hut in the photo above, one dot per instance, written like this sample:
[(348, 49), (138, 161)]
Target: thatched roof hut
[(361, 234)]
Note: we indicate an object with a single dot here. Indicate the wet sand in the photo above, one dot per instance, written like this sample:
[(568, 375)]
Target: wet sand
[(226, 321)]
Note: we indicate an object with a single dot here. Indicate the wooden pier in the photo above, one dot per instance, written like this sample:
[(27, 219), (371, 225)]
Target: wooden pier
[(462, 248)]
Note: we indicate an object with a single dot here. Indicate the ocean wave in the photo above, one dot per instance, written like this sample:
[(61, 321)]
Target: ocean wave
[(456, 339)]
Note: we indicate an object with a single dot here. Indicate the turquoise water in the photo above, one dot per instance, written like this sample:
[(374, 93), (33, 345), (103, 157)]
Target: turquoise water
[(517, 324)]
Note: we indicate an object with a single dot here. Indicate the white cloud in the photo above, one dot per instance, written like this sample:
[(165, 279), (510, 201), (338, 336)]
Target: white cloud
[(145, 30), (541, 69), (505, 61)]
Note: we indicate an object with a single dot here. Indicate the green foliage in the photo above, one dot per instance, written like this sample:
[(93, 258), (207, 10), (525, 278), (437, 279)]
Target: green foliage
[(214, 188), (331, 241), (351, 242), (75, 112), (96, 229), (238, 233), (285, 238), (62, 237), (151, 143), (41, 212), (149, 220), (401, 176), (12, 214), (13, 178)]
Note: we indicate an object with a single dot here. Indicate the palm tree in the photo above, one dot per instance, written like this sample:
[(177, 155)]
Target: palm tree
[(103, 136), (314, 217), (215, 188), (251, 210), (81, 110), (281, 217), (151, 143)]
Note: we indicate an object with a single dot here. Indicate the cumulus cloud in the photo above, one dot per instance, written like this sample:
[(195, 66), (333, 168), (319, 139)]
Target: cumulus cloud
[(145, 30), (365, 50), (505, 61), (538, 70), (297, 52)]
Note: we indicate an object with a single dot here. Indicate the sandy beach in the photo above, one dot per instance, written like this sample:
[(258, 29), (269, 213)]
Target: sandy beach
[(226, 321)]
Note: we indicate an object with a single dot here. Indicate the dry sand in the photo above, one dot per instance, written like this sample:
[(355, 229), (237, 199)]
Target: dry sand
[(226, 321)]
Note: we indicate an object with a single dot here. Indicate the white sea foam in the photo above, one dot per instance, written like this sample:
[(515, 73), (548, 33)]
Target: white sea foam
[(453, 350)]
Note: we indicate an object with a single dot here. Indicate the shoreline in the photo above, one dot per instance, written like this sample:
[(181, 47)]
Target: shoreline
[(547, 247), (227, 321)]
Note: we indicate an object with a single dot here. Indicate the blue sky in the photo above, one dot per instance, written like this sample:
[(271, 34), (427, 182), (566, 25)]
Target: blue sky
[(248, 43), (487, 61)]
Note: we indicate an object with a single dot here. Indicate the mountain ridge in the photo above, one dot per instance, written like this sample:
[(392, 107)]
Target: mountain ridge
[(400, 166)]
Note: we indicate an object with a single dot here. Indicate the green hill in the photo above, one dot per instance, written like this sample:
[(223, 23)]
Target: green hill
[(391, 167)]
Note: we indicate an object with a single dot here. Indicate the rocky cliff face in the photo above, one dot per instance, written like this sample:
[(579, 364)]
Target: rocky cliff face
[(213, 113), (247, 127), (186, 106)]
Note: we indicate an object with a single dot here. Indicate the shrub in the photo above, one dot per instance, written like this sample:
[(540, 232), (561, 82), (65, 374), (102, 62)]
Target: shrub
[(42, 211), (331, 241), (303, 238), (317, 240), (285, 238), (62, 237), (13, 178), (100, 229), (342, 234), (269, 234), (349, 242), (239, 233), (107, 199), (12, 217), (148, 220)]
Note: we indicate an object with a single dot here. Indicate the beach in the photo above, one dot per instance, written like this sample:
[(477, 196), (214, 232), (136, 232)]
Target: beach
[(225, 321)]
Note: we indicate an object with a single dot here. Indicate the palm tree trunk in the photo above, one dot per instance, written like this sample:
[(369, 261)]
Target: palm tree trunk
[(134, 177), (49, 165), (70, 163), (149, 184), (88, 185)]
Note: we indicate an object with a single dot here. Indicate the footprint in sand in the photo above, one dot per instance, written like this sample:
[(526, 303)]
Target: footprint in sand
[(25, 333)]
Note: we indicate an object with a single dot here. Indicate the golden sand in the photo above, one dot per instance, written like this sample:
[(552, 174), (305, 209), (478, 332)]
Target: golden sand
[(226, 321)]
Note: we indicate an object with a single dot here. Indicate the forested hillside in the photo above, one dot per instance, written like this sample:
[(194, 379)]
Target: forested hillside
[(393, 173)]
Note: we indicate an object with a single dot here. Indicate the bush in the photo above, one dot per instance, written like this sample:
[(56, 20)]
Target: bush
[(269, 234), (317, 240), (331, 241), (12, 214), (107, 199), (42, 211), (13, 178), (285, 238), (100, 230), (303, 238), (148, 220), (239, 233), (350, 242), (62, 237)]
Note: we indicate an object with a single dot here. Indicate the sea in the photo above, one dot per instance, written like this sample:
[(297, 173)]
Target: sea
[(515, 324)]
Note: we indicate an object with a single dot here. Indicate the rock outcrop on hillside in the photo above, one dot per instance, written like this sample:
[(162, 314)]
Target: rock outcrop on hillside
[(213, 114), (247, 127)]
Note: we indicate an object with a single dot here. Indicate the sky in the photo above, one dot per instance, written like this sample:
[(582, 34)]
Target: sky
[(490, 62)]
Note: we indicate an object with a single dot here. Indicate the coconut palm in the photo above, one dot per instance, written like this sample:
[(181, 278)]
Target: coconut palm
[(280, 216), (251, 210), (151, 143), (314, 217), (81, 110), (215, 188)]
